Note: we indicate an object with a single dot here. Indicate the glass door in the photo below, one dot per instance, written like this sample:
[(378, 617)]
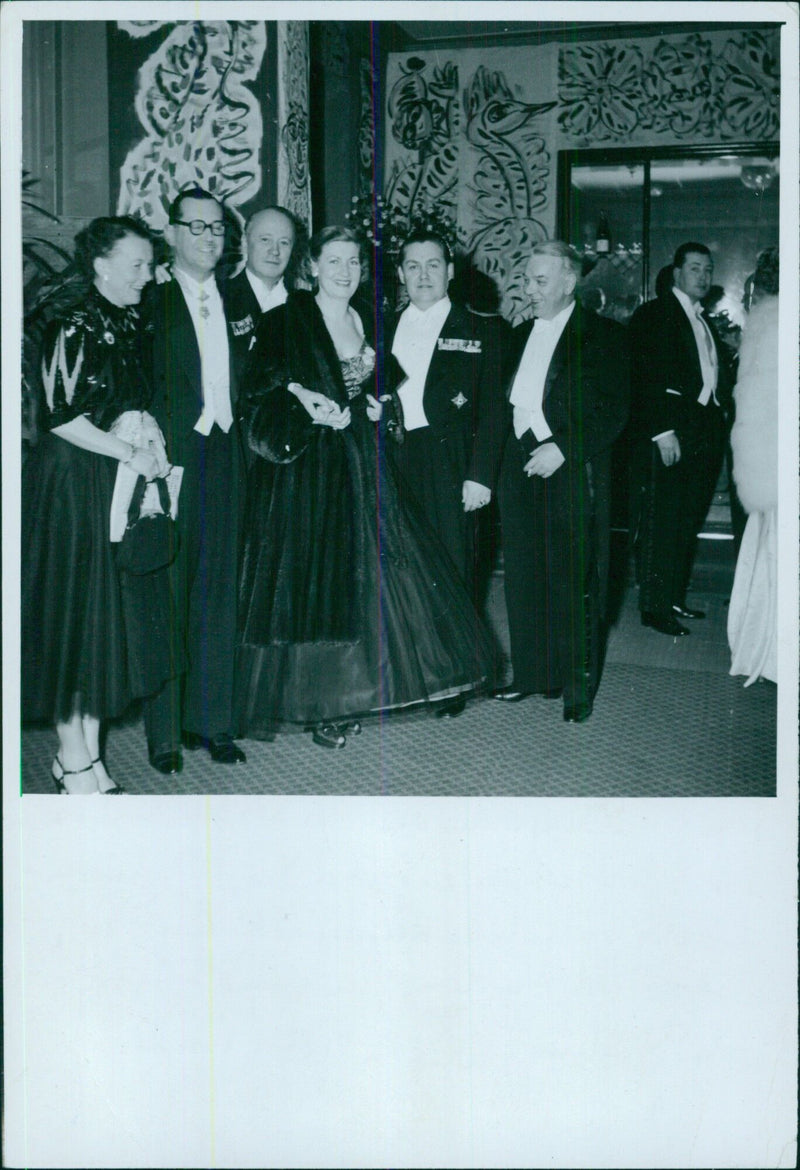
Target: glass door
[(607, 211), (732, 205), (639, 205), (626, 211)]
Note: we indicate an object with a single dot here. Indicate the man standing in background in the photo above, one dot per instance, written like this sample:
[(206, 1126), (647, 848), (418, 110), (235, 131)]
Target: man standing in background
[(682, 391)]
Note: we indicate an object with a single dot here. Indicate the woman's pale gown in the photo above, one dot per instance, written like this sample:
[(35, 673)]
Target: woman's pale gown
[(752, 614)]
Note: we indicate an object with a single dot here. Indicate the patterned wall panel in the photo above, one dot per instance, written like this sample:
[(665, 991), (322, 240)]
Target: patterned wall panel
[(699, 88), (366, 126), (294, 190), (506, 182), (201, 122), (477, 133), (467, 136)]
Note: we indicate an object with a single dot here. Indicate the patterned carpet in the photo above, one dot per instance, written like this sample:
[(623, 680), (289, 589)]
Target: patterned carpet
[(668, 721)]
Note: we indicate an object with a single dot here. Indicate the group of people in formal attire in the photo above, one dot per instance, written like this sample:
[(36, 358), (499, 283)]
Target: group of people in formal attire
[(333, 465)]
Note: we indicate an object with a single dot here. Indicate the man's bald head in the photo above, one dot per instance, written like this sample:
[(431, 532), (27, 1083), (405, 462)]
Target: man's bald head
[(270, 237)]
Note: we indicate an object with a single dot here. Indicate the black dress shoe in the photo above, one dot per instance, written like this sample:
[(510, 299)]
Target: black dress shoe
[(223, 750), (167, 760), (553, 693), (221, 747), (450, 708), (578, 713), (510, 695), (665, 623), (683, 611), (328, 735)]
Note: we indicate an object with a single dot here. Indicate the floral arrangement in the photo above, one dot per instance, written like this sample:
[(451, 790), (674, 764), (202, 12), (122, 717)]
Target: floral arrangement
[(385, 226)]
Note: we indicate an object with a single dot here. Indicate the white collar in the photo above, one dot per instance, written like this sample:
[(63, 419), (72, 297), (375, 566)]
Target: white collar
[(195, 287), (558, 322), (256, 283), (431, 315), (693, 308)]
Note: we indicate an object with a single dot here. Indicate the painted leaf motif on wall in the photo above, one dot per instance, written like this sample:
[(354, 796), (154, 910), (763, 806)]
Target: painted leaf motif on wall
[(684, 88), (414, 184), (202, 124), (600, 90), (751, 94), (366, 125), (509, 182), (424, 119), (684, 82), (424, 116)]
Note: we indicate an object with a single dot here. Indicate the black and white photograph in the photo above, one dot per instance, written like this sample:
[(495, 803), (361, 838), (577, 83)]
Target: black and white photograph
[(400, 403), (479, 540)]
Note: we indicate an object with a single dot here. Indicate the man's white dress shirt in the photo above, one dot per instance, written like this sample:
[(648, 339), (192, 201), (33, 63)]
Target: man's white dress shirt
[(208, 317), (706, 351), (268, 298), (413, 346), (527, 393)]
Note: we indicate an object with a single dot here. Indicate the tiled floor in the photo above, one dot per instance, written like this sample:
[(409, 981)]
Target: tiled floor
[(668, 721)]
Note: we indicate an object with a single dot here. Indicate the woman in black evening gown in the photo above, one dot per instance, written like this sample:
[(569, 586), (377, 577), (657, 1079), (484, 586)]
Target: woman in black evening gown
[(349, 605), (81, 660)]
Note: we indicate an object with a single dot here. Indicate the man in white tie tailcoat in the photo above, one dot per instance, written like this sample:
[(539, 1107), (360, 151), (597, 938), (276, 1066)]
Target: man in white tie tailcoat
[(681, 398)]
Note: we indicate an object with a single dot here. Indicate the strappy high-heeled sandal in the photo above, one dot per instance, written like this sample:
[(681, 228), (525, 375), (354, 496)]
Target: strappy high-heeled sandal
[(328, 735), (58, 779), (116, 790)]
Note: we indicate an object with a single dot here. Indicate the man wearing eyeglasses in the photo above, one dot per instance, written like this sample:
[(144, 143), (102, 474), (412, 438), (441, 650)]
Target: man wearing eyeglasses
[(194, 401)]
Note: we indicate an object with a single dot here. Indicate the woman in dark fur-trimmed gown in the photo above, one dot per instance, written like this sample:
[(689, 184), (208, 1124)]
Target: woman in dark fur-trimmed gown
[(348, 604)]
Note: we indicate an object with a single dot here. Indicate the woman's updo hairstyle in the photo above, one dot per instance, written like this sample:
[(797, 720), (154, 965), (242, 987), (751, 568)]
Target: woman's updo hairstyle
[(334, 235), (100, 237)]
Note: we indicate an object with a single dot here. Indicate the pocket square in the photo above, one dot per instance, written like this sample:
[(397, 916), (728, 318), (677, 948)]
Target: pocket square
[(677, 393)]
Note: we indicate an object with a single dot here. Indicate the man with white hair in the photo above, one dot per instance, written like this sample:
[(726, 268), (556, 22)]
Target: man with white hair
[(567, 402)]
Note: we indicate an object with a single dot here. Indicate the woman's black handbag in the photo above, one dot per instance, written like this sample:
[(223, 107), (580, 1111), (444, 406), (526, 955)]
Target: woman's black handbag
[(149, 542)]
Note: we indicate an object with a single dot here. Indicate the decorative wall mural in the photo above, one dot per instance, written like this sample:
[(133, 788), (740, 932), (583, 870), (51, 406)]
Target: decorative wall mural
[(751, 94), (508, 185), (366, 126), (690, 88), (203, 125), (139, 28), (424, 118), (293, 175), (489, 163)]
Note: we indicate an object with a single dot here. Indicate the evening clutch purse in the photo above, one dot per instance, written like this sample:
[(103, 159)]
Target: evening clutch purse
[(150, 540)]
